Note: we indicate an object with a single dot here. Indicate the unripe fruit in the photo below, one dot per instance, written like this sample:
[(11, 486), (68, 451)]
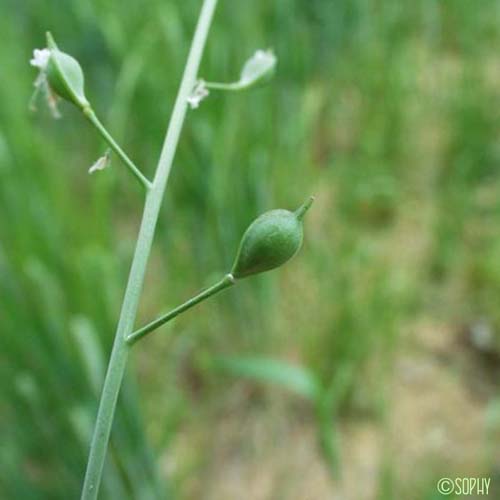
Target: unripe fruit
[(259, 68), (270, 241), (65, 76)]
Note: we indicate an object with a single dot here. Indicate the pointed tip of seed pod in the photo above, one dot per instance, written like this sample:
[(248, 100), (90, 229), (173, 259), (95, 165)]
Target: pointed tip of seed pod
[(51, 44), (299, 213)]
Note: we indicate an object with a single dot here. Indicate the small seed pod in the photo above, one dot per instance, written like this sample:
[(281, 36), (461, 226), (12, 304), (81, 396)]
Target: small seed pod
[(65, 76), (271, 240), (259, 68)]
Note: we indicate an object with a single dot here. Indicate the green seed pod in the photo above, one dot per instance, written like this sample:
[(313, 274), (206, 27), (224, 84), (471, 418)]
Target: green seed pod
[(258, 69), (65, 76), (271, 240)]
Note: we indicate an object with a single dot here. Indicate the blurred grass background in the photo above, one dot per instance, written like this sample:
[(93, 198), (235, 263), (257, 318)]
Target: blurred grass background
[(386, 111)]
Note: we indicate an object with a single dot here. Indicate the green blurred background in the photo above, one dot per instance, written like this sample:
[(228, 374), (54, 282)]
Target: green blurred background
[(387, 111)]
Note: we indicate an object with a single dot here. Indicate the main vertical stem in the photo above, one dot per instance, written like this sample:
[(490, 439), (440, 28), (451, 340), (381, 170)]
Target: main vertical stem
[(118, 360)]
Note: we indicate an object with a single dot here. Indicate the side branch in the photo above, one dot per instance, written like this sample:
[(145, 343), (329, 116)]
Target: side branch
[(225, 282), (90, 114)]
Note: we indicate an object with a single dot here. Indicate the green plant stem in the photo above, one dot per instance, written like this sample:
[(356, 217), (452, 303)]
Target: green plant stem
[(224, 86), (89, 113), (118, 360), (225, 282)]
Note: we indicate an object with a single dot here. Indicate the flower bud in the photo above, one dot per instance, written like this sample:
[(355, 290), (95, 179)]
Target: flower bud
[(271, 240), (65, 76)]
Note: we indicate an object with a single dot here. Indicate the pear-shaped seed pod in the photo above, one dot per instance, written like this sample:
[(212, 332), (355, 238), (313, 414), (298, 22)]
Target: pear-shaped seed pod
[(259, 68), (65, 76), (271, 240)]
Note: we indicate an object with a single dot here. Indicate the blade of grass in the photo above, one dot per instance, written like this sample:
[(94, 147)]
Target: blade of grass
[(292, 377)]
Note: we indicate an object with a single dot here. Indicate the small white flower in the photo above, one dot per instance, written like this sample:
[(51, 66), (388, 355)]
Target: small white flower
[(40, 59), (199, 93), (101, 163)]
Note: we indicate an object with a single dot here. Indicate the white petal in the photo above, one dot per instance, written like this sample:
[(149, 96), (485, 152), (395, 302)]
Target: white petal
[(100, 164), (52, 99), (199, 93), (40, 58)]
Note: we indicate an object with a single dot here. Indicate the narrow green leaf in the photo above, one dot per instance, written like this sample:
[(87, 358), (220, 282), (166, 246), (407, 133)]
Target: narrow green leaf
[(292, 377)]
